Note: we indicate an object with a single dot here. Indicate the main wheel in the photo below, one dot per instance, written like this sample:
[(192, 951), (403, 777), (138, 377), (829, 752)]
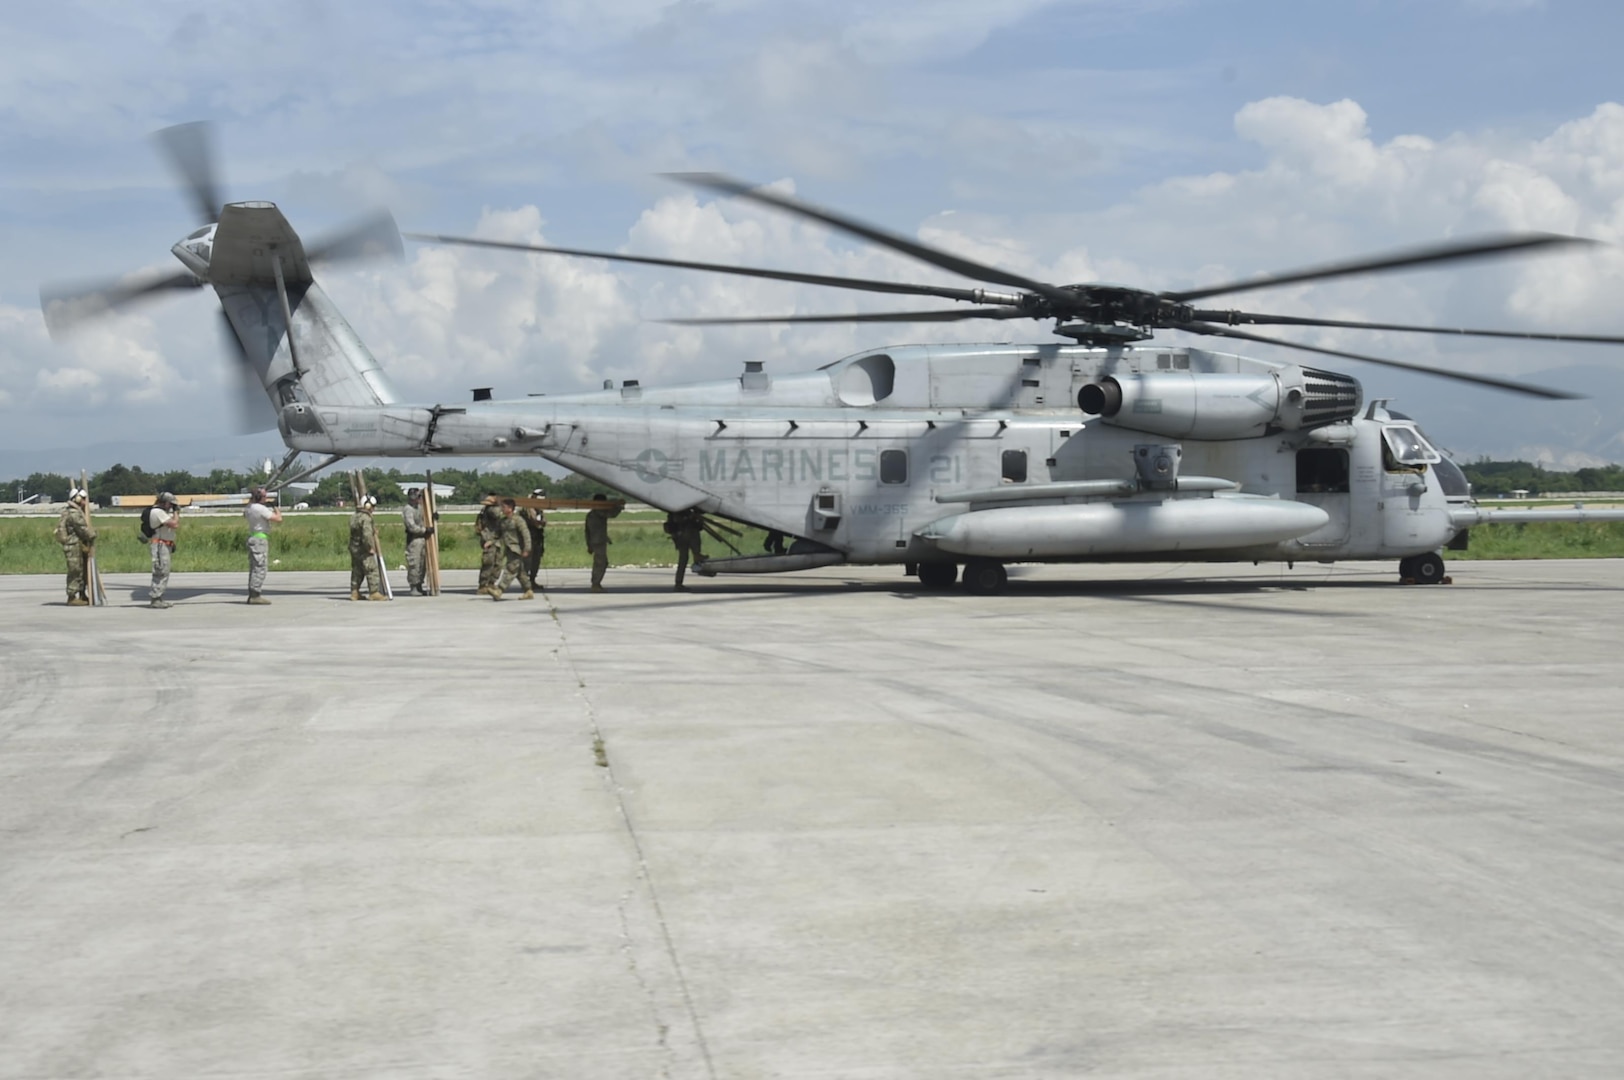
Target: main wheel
[(985, 577), (1406, 568), (1428, 569), (938, 575)]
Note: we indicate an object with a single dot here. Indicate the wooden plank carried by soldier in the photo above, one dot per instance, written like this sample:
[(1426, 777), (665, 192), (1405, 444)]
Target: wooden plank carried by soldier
[(564, 504), (432, 548), (93, 581)]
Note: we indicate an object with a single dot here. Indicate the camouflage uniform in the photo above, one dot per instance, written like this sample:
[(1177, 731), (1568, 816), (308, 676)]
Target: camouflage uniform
[(685, 529), (489, 527), (77, 538), (597, 542), (514, 544), (260, 517), (363, 556), (535, 523), (417, 544), (163, 550)]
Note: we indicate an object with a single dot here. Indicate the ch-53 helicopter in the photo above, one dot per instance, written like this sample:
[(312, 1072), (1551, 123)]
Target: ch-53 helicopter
[(931, 457)]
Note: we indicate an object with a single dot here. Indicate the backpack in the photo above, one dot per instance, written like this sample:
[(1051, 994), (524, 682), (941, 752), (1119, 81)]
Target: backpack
[(147, 531)]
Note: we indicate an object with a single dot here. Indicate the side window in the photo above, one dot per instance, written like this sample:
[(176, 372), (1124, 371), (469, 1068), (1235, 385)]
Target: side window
[(893, 466), (1015, 466), (1320, 469)]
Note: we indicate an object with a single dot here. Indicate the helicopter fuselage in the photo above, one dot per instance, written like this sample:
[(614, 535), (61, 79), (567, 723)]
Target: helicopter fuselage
[(874, 457)]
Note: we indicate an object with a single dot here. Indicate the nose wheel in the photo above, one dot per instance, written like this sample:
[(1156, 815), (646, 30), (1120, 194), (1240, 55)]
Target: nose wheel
[(938, 575), (985, 577), (1425, 569)]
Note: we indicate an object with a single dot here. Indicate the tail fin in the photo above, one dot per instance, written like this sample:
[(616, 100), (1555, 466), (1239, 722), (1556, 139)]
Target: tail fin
[(256, 260)]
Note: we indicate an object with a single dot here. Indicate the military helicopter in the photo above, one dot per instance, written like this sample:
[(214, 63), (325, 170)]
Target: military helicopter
[(933, 458)]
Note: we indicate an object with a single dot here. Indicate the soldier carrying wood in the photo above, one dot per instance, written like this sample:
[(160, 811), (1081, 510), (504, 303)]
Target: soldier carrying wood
[(78, 542)]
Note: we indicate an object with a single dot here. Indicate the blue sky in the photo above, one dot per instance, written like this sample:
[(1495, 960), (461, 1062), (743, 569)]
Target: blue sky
[(1163, 143)]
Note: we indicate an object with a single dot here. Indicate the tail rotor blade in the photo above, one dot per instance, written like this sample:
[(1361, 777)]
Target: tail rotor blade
[(253, 409), (190, 150), (68, 306), (372, 237)]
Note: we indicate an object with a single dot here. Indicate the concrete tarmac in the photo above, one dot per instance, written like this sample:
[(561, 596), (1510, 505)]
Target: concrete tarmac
[(1160, 821)]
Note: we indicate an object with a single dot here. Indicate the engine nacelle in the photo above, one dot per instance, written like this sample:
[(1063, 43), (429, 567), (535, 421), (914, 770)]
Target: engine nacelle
[(1219, 405)]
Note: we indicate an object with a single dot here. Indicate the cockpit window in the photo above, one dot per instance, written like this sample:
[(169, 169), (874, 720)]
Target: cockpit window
[(1404, 450), (199, 234)]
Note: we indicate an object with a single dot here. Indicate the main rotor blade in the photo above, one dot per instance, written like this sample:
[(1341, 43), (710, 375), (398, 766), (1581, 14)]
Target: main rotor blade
[(1455, 251), (1481, 380), (934, 256), (68, 306), (1252, 319), (373, 236), (861, 284), (190, 150), (947, 315)]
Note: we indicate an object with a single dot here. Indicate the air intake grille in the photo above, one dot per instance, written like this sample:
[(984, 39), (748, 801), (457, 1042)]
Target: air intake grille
[(1329, 397)]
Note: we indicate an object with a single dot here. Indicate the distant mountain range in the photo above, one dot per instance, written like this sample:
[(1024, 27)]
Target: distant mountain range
[(1469, 423)]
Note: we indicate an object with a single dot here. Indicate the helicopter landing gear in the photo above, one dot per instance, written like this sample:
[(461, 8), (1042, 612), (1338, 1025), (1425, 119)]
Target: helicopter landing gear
[(1425, 569), (985, 577), (938, 575)]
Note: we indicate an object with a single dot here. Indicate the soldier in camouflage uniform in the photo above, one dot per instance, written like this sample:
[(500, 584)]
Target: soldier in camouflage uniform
[(78, 541), (364, 551), (597, 538), (164, 519), (515, 548), (260, 516), (686, 530), (418, 531), (535, 522), (489, 527)]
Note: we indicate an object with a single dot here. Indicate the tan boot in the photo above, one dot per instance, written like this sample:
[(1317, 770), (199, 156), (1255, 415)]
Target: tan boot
[(78, 601), (528, 595), (256, 598), (377, 596), (355, 594), (494, 594), (597, 588)]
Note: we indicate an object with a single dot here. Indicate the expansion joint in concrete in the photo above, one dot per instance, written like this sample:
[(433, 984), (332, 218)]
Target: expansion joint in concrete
[(602, 759)]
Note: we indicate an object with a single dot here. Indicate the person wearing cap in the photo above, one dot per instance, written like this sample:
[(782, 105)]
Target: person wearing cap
[(418, 531), (78, 542), (515, 548), (597, 535), (163, 520), (364, 551), (488, 525), (535, 523), (260, 517)]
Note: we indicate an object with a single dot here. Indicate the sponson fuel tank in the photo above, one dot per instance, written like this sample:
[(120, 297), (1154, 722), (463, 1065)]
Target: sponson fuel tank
[(1112, 528)]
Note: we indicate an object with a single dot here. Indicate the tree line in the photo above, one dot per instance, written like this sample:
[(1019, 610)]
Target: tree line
[(1492, 479), (389, 485)]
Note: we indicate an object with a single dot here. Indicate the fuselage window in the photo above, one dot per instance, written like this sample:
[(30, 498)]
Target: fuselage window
[(1015, 466), (893, 466), (1322, 470)]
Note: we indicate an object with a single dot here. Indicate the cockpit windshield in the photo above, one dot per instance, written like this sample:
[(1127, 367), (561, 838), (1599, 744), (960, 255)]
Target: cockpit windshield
[(1406, 446)]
